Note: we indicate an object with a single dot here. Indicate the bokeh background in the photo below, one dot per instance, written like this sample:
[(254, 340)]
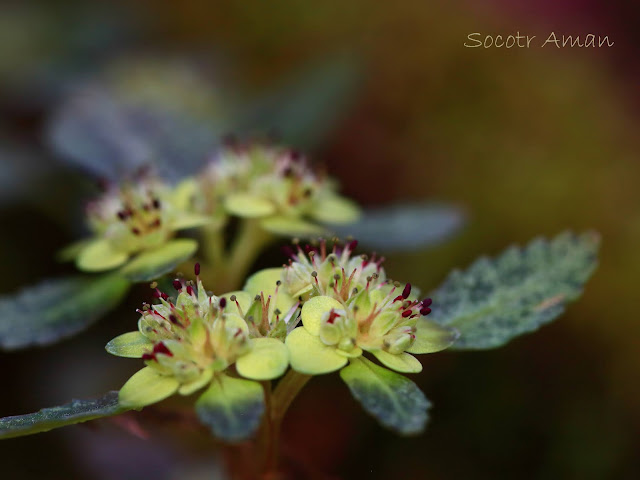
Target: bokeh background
[(526, 141)]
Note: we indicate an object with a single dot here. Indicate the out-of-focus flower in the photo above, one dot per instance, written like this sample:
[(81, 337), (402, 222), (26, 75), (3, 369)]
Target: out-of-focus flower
[(137, 216), (276, 186)]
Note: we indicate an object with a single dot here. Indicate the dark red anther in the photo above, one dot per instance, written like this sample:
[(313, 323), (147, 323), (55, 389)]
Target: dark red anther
[(162, 348), (177, 284), (426, 302), (164, 296), (156, 204), (352, 245), (425, 311), (173, 319), (156, 223), (122, 215), (406, 313), (189, 289), (399, 298), (288, 251), (148, 356), (287, 172), (238, 333), (332, 316), (196, 269), (406, 291), (135, 231), (295, 155), (223, 302)]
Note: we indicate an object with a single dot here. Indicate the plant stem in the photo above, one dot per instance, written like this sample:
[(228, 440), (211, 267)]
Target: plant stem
[(226, 270), (213, 244), (277, 405), (249, 241), (286, 392)]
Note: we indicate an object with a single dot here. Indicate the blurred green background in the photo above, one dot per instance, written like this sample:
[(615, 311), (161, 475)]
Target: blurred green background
[(527, 141)]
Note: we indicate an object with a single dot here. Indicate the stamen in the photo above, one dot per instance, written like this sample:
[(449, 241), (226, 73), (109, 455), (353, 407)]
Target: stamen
[(162, 348)]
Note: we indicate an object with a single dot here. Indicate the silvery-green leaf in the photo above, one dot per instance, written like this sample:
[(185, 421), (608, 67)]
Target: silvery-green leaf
[(497, 299), (77, 411), (140, 111), (57, 308), (404, 226), (304, 108), (232, 408), (394, 400), (151, 264)]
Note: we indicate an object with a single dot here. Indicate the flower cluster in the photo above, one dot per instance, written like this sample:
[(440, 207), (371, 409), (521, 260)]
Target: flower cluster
[(187, 342), (137, 216), (347, 306), (276, 186), (350, 306)]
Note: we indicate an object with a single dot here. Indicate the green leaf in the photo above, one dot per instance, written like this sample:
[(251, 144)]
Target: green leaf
[(401, 362), (198, 383), (495, 300), (99, 255), (77, 411), (310, 356), (232, 408), (263, 281), (268, 359), (395, 401), (147, 386), (129, 345), (431, 337), (404, 226), (314, 310), (152, 264), (190, 220), (54, 309), (336, 209), (291, 227), (248, 206)]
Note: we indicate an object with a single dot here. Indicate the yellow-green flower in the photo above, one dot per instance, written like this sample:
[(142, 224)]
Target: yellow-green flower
[(271, 311), (138, 218), (276, 186), (313, 270), (351, 307), (187, 343)]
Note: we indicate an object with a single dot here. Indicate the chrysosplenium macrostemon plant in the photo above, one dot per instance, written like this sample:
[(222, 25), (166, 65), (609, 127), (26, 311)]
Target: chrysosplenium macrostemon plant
[(347, 307), (245, 348)]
